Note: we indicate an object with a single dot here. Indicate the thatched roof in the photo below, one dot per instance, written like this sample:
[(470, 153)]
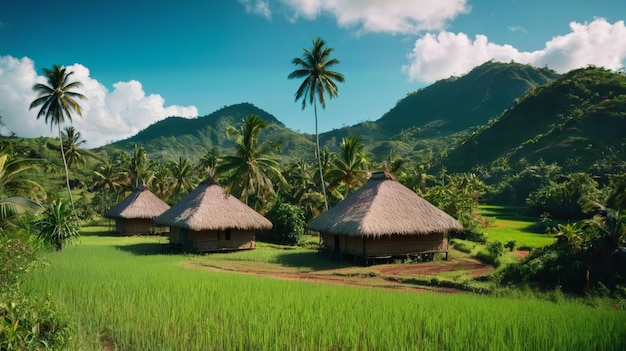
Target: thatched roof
[(210, 207), (383, 206), (140, 204)]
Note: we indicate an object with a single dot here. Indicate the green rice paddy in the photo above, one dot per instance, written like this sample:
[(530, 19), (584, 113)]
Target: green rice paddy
[(128, 293)]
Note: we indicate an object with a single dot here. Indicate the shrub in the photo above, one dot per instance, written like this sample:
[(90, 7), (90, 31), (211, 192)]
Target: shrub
[(288, 221), (26, 322), (511, 245)]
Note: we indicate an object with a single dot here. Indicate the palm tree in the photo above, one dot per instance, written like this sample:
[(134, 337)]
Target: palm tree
[(137, 166), (314, 66), (58, 101), (161, 183), (71, 144), (15, 191), (181, 172), (248, 171), (108, 178), (349, 165)]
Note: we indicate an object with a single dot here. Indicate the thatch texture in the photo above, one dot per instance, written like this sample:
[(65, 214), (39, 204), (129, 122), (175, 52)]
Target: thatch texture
[(210, 207), (383, 206), (140, 204)]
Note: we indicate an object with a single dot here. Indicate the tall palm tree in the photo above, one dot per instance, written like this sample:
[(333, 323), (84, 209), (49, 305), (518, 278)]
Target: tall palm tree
[(181, 172), (57, 101), (248, 171), (137, 166), (349, 165), (108, 178), (314, 66), (161, 183), (71, 144)]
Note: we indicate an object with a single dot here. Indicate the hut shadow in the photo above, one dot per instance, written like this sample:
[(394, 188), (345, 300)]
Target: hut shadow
[(312, 260), (146, 249)]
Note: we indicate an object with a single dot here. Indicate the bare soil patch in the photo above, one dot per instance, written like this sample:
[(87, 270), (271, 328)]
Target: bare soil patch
[(386, 276)]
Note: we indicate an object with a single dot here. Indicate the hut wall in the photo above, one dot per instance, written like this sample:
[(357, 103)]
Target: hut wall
[(212, 240), (399, 245), (394, 245), (133, 226)]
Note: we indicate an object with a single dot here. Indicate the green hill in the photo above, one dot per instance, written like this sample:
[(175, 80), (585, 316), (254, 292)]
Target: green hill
[(577, 120), (446, 107), (174, 137)]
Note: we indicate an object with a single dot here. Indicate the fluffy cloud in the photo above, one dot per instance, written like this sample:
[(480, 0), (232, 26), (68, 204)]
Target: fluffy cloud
[(389, 16), (597, 43), (258, 7), (107, 115)]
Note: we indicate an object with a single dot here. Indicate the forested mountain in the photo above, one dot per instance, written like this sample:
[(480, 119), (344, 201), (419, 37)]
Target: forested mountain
[(424, 121), (445, 108), (176, 137), (578, 121)]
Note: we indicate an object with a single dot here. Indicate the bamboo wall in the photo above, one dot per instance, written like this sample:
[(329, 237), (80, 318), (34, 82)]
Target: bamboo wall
[(394, 245), (133, 226), (212, 240)]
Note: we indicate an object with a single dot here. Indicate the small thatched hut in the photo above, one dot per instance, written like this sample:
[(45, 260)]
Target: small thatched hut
[(135, 214), (210, 219), (384, 219)]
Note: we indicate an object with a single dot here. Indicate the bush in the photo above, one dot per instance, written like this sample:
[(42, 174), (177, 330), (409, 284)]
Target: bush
[(26, 322), (29, 323), (288, 221), (469, 235)]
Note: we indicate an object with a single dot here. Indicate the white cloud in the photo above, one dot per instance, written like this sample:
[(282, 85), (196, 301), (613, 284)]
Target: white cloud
[(388, 16), (107, 115), (257, 7), (597, 43)]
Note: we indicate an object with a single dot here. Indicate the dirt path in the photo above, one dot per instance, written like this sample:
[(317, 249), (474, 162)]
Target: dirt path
[(388, 276)]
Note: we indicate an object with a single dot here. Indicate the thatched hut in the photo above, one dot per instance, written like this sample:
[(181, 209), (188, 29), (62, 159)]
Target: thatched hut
[(384, 219), (209, 219), (135, 214)]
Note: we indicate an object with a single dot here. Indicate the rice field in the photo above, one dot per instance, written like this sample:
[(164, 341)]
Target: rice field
[(127, 293), (508, 225)]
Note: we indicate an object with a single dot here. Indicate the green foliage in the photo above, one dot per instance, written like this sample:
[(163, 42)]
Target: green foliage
[(31, 323), (26, 321), (288, 221), (458, 197), (57, 224), (564, 199)]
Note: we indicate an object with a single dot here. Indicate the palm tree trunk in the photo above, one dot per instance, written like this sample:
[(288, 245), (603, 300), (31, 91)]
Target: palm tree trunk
[(319, 157), (67, 176)]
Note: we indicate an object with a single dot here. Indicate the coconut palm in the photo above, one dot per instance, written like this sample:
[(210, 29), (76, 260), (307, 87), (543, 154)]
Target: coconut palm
[(57, 101), (161, 183), (17, 193), (181, 172), (314, 66), (137, 166), (72, 142), (108, 178), (349, 165), (248, 171)]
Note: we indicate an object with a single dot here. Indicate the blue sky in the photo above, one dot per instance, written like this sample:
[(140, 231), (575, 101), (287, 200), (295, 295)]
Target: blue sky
[(141, 61)]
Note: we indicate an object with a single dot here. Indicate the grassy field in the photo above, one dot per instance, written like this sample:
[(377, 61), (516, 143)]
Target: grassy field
[(129, 293), (508, 224)]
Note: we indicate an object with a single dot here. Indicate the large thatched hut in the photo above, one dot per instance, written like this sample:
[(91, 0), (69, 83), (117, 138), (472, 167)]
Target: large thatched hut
[(384, 219), (135, 214), (210, 219)]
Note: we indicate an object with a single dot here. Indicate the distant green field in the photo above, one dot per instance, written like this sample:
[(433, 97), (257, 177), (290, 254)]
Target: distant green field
[(508, 224), (129, 293)]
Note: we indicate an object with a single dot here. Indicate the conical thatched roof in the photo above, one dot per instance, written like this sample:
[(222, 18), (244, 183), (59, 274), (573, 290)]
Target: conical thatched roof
[(210, 207), (141, 203), (383, 206)]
